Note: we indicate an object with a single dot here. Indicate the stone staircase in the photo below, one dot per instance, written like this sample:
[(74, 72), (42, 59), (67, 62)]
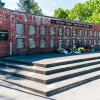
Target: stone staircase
[(51, 76)]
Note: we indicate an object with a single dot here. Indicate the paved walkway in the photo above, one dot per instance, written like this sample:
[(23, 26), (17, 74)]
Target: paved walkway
[(12, 92), (89, 91)]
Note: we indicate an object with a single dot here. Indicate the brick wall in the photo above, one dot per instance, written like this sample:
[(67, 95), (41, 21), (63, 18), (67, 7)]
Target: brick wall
[(4, 25), (9, 18)]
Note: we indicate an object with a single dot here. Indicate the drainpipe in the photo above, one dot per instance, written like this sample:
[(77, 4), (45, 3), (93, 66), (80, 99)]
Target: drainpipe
[(11, 34)]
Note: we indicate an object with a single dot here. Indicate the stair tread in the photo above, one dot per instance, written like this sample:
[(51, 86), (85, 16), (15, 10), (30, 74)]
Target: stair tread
[(48, 69), (48, 77), (78, 72), (21, 72), (66, 59), (16, 64), (63, 66), (73, 80), (50, 87)]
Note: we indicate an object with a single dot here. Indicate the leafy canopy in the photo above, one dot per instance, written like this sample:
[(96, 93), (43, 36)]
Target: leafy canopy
[(29, 6), (2, 4), (85, 12)]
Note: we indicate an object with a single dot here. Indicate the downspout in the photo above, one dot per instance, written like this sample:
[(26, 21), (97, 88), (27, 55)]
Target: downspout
[(11, 35)]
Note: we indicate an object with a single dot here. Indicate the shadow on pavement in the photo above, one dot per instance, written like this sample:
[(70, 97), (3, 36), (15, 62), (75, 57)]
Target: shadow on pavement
[(24, 92)]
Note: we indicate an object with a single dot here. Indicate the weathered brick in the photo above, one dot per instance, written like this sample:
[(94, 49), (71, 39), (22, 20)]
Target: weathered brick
[(9, 18)]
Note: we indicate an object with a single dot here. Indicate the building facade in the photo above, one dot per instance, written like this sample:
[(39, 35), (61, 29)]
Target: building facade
[(22, 33)]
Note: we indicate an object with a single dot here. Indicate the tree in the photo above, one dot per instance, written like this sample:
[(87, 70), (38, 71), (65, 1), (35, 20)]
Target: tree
[(2, 4), (29, 6), (67, 11), (95, 18), (85, 12), (60, 13), (77, 13)]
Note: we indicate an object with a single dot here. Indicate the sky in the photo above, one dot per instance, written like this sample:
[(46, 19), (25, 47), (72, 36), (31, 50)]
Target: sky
[(47, 6)]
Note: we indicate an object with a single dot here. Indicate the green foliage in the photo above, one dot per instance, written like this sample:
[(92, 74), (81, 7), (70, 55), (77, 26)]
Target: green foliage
[(29, 6), (85, 12), (2, 4), (60, 13), (67, 13), (95, 18)]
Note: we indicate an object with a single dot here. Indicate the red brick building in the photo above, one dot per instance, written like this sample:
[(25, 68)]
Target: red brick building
[(22, 33)]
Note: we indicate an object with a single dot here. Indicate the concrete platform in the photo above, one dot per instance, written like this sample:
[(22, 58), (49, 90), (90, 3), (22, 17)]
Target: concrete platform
[(49, 74), (52, 58)]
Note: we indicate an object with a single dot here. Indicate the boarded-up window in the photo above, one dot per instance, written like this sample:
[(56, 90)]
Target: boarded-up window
[(67, 43), (20, 43), (42, 43), (74, 32), (99, 34), (85, 33), (99, 42), (52, 30), (60, 42), (85, 42), (52, 43), (32, 43), (32, 29), (90, 42), (79, 32), (60, 31), (95, 42), (19, 28), (42, 30), (95, 33), (90, 34), (67, 31), (74, 42)]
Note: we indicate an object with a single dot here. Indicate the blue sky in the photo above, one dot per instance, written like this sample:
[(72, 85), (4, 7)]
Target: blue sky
[(47, 6)]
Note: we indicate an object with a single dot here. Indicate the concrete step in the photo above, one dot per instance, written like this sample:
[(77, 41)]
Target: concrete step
[(66, 67), (66, 60), (22, 74), (17, 61), (51, 89), (47, 79), (17, 66), (51, 70), (51, 62)]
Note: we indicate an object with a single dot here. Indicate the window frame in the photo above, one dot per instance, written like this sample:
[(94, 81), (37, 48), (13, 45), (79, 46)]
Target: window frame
[(50, 30), (59, 42), (29, 43), (20, 43), (53, 43), (29, 29), (74, 32), (60, 34), (90, 33), (80, 33), (67, 40), (68, 34), (20, 27), (42, 42), (94, 42), (86, 33), (45, 30)]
